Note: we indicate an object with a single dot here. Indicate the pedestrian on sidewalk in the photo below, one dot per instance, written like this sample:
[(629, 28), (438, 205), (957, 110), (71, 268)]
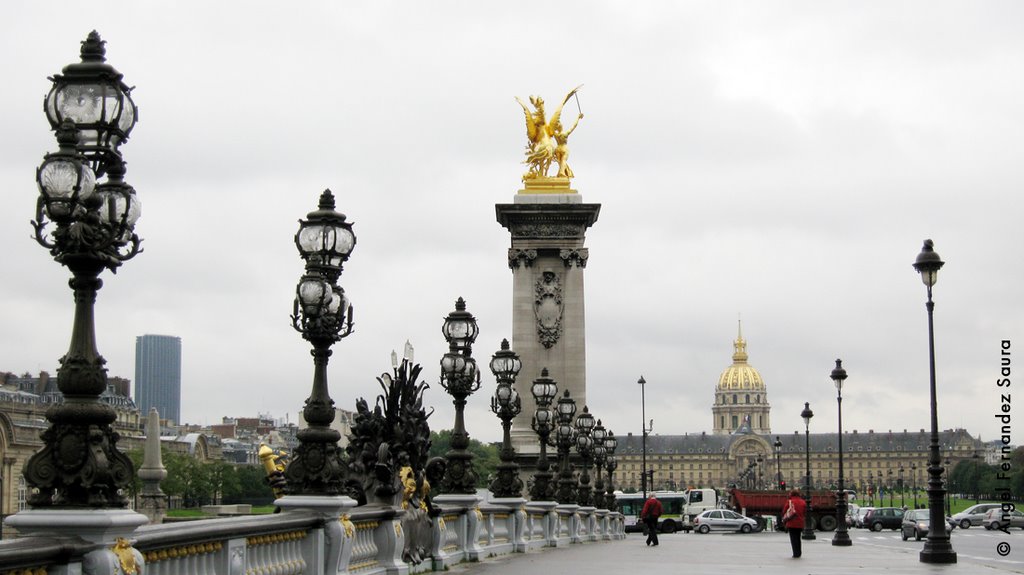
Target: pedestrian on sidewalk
[(649, 515), (794, 513)]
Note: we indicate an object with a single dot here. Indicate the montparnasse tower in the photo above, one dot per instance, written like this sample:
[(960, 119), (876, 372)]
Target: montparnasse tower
[(741, 400)]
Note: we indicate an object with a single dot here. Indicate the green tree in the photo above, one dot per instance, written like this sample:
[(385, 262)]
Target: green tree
[(485, 457)]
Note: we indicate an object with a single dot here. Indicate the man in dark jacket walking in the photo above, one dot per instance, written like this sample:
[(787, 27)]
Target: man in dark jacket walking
[(649, 515)]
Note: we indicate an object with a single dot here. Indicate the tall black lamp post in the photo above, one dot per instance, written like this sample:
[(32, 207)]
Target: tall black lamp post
[(610, 444), (565, 435), (777, 446), (598, 434), (913, 481), (903, 497), (842, 537), (643, 437), (937, 549), (945, 476), (323, 315), (460, 378), (544, 390), (92, 113), (585, 447), (505, 366), (760, 474), (807, 414)]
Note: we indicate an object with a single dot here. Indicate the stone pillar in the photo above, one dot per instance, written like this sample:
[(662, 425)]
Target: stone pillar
[(547, 258), (152, 501)]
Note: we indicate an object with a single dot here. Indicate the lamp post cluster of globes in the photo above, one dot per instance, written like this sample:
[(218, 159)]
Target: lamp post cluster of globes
[(85, 216)]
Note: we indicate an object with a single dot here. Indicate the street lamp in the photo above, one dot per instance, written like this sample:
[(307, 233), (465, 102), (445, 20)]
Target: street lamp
[(842, 537), (323, 315), (599, 434), (913, 481), (91, 110), (807, 414), (888, 481), (564, 439), (903, 490), (937, 549), (945, 475), (778, 462), (544, 390), (460, 378), (505, 366), (643, 438), (977, 477), (585, 447), (610, 443), (760, 474)]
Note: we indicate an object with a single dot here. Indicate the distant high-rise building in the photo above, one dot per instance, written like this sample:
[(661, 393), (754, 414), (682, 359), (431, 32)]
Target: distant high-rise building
[(158, 375)]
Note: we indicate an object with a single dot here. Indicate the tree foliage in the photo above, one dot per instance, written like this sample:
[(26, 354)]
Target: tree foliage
[(485, 457)]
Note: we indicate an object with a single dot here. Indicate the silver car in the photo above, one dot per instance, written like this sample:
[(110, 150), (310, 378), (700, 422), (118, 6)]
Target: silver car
[(974, 514), (999, 519), (723, 519)]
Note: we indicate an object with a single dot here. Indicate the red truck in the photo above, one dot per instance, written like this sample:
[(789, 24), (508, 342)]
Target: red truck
[(761, 504)]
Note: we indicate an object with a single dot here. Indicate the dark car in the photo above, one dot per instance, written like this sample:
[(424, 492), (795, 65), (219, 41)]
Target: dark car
[(915, 524), (884, 518)]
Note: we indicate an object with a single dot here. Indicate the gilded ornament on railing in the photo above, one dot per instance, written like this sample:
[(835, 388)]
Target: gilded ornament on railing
[(125, 556), (350, 528), (548, 141)]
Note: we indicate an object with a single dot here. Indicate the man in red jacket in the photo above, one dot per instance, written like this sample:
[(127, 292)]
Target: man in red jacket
[(649, 515), (793, 513)]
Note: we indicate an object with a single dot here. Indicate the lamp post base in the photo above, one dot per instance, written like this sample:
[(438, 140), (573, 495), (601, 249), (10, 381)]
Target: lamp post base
[(842, 539), (941, 556)]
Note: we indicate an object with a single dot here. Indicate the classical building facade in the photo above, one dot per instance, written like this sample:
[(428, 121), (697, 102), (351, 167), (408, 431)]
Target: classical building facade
[(741, 448)]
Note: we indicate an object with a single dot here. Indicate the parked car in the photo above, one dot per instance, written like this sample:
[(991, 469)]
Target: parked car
[(723, 519), (884, 518), (859, 518), (999, 519), (915, 524), (852, 509), (974, 514)]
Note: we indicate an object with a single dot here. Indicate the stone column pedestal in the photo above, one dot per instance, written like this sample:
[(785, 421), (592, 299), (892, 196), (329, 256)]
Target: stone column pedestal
[(336, 549)]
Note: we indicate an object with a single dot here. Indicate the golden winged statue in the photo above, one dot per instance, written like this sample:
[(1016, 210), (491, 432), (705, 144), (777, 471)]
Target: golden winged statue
[(548, 139)]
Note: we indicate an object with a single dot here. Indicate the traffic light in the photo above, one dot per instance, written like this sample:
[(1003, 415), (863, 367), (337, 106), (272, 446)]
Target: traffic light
[(782, 485)]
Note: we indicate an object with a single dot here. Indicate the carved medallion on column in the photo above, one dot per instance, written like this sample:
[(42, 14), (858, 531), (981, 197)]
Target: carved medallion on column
[(547, 307)]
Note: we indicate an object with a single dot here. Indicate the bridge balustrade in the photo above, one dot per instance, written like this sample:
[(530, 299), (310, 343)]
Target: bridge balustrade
[(365, 541)]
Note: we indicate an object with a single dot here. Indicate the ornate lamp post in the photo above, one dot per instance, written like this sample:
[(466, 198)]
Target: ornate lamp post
[(585, 447), (323, 315), (92, 112), (505, 366), (610, 443), (598, 434), (564, 438), (544, 390), (945, 475), (903, 495), (913, 479), (778, 462), (643, 438), (760, 474), (842, 537), (889, 484), (937, 549), (460, 378), (807, 414)]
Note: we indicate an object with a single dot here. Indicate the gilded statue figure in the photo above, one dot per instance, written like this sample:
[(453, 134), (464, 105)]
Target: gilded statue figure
[(548, 139)]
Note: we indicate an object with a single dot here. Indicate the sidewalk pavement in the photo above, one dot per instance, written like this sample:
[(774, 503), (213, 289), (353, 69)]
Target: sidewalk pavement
[(767, 553)]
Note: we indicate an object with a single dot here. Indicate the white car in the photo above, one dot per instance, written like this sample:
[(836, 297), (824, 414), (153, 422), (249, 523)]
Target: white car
[(723, 519)]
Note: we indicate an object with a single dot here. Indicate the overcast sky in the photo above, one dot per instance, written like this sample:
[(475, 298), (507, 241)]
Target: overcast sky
[(779, 160)]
